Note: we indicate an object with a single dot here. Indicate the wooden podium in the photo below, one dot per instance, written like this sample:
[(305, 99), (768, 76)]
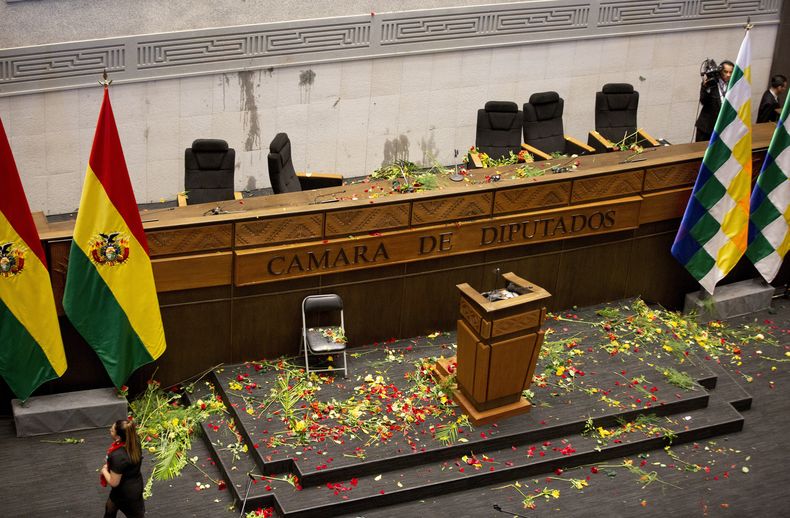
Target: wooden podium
[(498, 347)]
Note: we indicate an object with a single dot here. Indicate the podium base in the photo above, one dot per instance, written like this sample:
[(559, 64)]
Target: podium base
[(476, 417)]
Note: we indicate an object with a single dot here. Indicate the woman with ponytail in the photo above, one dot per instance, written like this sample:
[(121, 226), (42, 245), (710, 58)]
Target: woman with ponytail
[(122, 472)]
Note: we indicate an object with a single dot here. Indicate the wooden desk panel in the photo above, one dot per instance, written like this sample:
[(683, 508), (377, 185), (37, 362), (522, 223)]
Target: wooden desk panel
[(674, 175), (279, 230), (193, 271), (451, 208), (190, 239), (606, 186), (532, 197), (367, 219)]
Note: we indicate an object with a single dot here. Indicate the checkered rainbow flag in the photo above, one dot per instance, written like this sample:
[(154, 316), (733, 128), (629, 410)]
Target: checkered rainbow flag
[(770, 216), (713, 232)]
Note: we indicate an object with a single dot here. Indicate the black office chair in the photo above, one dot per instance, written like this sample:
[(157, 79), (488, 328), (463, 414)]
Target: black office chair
[(615, 119), (323, 340), (543, 128), (499, 127), (208, 172), (284, 177)]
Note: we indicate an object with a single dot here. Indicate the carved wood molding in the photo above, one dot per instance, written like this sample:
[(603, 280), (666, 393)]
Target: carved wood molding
[(279, 230), (507, 325), (451, 208), (607, 186), (469, 314), (367, 219), (674, 175), (191, 239), (532, 197)]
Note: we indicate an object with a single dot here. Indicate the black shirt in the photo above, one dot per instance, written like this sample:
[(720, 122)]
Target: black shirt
[(130, 489)]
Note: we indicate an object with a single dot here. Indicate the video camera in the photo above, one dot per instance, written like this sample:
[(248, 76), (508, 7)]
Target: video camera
[(710, 70)]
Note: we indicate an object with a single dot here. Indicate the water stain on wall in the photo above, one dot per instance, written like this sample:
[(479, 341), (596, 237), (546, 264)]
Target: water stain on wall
[(306, 80), (249, 108), (225, 84), (396, 149)]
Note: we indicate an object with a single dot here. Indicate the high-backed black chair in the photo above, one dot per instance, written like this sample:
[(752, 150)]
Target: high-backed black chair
[(208, 172), (615, 118), (543, 128), (284, 177), (499, 127)]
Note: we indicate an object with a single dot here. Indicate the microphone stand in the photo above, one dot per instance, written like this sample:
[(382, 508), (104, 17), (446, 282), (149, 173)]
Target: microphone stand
[(315, 200), (247, 493), (455, 176), (216, 211)]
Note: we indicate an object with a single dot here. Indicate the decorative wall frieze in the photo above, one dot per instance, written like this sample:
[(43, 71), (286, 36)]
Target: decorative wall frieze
[(299, 43)]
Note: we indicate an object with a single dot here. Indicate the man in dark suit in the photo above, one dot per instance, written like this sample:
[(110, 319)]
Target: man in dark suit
[(769, 105), (711, 94)]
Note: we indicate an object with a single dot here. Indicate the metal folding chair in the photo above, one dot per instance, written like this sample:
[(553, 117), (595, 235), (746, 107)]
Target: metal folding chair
[(323, 340)]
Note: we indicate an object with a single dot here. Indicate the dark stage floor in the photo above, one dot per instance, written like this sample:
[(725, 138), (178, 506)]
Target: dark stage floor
[(740, 473)]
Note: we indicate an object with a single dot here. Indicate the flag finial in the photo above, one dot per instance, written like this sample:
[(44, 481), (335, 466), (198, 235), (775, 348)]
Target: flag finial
[(105, 81), (749, 23)]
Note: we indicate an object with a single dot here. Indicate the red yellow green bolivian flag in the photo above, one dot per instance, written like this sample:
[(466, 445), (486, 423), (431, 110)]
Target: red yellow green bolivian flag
[(110, 296), (31, 349)]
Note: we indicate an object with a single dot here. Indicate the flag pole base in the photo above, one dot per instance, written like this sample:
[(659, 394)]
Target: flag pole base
[(730, 300)]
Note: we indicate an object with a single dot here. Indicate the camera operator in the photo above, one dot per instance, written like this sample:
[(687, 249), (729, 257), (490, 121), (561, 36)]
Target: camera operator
[(711, 95), (769, 105)]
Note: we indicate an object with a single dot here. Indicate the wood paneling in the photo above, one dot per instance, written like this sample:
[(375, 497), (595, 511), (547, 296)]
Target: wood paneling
[(197, 339), (367, 219), (467, 348), (673, 175), (592, 275), (266, 327), (190, 239), (533, 197), (280, 230), (664, 205), (58, 266), (373, 310), (481, 363), (430, 300), (451, 208), (509, 365), (667, 282), (606, 186), (193, 271)]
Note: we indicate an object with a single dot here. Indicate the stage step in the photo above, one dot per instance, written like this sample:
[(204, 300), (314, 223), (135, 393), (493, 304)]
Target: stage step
[(234, 465), (697, 415), (504, 464), (568, 414)]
